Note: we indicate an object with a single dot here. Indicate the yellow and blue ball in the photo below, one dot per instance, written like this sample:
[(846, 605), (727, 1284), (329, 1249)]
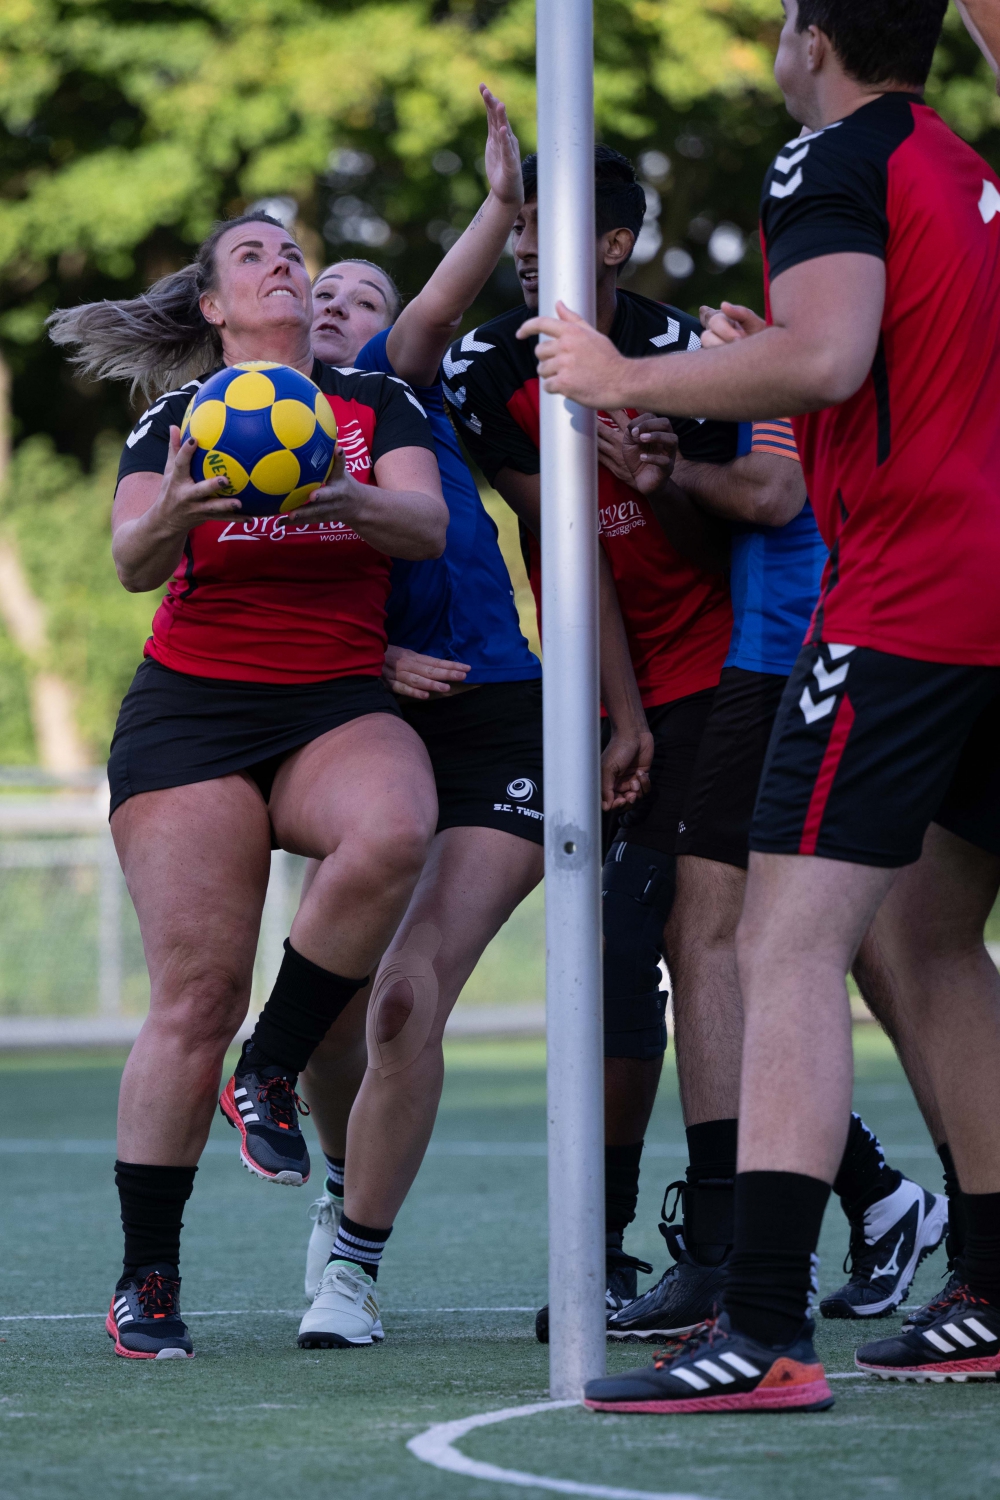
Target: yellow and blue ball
[(268, 429)]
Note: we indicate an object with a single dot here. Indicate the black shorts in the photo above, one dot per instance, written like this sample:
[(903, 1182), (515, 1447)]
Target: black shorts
[(868, 749), (485, 747), (174, 729), (715, 823), (677, 729)]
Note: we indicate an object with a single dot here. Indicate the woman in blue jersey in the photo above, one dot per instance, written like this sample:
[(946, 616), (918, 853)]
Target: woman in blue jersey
[(470, 686)]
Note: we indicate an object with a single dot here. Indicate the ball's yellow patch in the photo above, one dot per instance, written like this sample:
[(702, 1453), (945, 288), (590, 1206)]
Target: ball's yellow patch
[(207, 422), (298, 497), (276, 473), (324, 415), (250, 392), (293, 422), (187, 420), (216, 463), (257, 364)]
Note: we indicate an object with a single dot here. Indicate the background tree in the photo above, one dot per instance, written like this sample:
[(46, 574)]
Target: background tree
[(129, 125)]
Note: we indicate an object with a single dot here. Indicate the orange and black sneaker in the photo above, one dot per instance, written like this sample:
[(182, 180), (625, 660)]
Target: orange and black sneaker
[(145, 1316), (715, 1369), (961, 1342), (261, 1103)]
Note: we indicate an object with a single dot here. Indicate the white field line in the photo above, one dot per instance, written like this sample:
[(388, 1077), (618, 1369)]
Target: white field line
[(255, 1312), (435, 1446), (32, 1146)]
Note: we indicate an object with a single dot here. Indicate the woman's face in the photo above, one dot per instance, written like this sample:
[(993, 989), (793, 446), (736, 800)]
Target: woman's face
[(351, 304), (262, 284)]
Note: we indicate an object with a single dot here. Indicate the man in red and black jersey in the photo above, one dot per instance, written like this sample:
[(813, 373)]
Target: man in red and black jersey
[(882, 238), (666, 561)]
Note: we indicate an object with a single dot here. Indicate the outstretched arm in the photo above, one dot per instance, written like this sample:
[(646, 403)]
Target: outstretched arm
[(427, 325)]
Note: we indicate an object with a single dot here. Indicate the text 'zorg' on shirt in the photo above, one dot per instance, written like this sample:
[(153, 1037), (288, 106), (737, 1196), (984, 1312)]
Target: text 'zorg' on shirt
[(677, 616), (904, 477), (279, 598)]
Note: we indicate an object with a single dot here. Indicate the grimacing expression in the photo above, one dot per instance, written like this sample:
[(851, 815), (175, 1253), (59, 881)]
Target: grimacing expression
[(261, 281), (351, 304)]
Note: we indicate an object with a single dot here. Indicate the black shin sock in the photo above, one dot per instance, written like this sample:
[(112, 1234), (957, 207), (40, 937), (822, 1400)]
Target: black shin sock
[(863, 1177), (335, 1174), (981, 1255), (305, 1002), (621, 1186), (361, 1244), (152, 1202), (708, 1201), (955, 1242), (771, 1270)]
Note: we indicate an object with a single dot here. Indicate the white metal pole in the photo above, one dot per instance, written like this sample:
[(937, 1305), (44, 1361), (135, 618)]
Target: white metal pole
[(573, 990)]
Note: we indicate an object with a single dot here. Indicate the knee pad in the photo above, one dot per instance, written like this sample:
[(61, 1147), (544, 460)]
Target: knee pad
[(637, 894), (414, 962)]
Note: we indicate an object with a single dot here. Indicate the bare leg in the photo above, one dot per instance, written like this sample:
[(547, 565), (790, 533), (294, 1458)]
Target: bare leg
[(930, 931), (803, 919), (196, 859), (473, 880), (879, 983), (334, 1074), (630, 1085), (708, 1007)]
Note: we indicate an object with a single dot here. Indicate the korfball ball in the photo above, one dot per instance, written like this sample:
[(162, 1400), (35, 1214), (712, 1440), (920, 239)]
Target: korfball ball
[(268, 429)]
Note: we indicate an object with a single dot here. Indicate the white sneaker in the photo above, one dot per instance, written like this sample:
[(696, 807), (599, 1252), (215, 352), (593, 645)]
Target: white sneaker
[(344, 1312), (325, 1213)]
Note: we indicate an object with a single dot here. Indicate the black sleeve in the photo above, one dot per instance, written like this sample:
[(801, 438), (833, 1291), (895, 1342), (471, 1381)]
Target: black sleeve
[(474, 390), (825, 196), (708, 442), (148, 444), (400, 420)]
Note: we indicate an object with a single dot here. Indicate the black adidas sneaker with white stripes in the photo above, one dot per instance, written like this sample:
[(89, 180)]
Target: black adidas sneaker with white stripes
[(145, 1316), (923, 1317), (887, 1245), (264, 1107), (962, 1343)]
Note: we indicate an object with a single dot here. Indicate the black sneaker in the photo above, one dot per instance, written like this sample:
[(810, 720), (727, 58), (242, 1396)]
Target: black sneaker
[(962, 1343), (264, 1107), (887, 1246), (622, 1284), (145, 1316), (714, 1369), (685, 1295), (923, 1317)]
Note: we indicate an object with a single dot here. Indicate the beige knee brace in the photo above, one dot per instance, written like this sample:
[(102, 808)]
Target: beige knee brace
[(414, 963)]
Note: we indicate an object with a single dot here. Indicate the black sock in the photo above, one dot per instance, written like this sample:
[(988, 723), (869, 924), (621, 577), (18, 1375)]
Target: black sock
[(863, 1177), (360, 1243), (152, 1202), (955, 1242), (334, 1174), (708, 1199), (621, 1186), (305, 1002), (772, 1267), (981, 1255)]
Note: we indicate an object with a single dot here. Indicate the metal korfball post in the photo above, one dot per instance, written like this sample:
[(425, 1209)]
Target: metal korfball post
[(573, 979)]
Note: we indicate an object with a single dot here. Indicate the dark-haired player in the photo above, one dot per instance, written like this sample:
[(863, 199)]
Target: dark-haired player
[(667, 562), (881, 788)]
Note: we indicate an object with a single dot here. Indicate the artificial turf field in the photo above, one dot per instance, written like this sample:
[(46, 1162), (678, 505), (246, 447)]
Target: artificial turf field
[(254, 1414)]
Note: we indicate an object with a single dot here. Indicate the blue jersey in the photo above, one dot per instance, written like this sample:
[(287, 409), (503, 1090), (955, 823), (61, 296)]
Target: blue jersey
[(460, 606), (775, 575)]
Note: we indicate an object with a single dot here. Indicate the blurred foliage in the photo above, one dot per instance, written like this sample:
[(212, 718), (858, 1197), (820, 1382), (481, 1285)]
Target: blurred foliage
[(127, 126)]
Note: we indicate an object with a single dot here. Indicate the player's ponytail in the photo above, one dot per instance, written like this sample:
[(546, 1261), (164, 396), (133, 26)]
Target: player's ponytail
[(154, 341)]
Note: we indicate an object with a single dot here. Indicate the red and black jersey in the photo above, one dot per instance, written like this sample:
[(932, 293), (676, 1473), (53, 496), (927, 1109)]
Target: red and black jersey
[(677, 617), (905, 476), (280, 598)]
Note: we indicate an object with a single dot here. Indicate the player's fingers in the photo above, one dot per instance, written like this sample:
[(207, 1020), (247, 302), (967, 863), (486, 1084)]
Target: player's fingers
[(567, 315), (706, 314), (549, 326)]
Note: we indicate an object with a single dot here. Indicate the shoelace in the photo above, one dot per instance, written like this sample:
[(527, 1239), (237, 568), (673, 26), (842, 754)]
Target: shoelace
[(853, 1260), (962, 1293), (321, 1212), (282, 1101), (158, 1296), (701, 1333)]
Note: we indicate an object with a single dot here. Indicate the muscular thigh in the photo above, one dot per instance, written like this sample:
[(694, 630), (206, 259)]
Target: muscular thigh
[(196, 860), (369, 779)]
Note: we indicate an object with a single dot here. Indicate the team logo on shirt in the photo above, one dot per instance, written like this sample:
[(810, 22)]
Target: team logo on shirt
[(522, 790), (621, 518)]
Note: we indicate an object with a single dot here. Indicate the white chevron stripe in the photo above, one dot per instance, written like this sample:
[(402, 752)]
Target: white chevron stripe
[(673, 333), (786, 189)]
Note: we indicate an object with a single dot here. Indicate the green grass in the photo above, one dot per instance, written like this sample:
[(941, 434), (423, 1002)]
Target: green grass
[(253, 1411)]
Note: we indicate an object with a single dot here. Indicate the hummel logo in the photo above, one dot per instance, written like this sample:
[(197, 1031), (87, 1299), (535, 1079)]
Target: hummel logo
[(891, 1267), (673, 333), (989, 203), (827, 680), (786, 189), (469, 345), (813, 711)]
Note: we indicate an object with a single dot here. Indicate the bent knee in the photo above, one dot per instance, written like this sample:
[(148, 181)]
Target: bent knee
[(205, 1008), (393, 849)]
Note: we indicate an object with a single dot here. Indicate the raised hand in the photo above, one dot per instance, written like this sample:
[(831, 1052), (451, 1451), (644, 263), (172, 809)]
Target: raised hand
[(184, 503), (728, 324), (503, 154)]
